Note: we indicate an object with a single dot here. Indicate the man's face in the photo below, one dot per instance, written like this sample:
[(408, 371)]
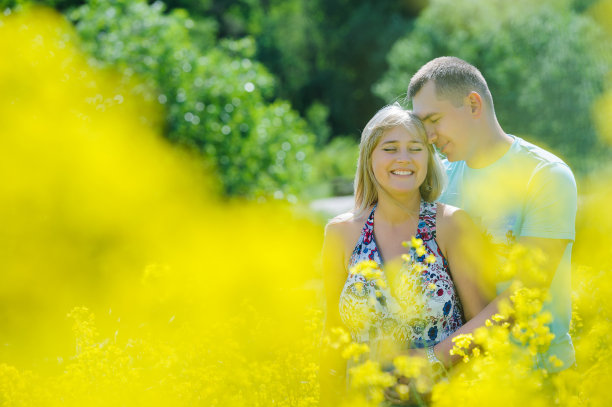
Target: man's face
[(447, 126)]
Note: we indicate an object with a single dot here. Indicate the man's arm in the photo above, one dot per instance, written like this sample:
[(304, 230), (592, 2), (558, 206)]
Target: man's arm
[(548, 227), (546, 255), (553, 250)]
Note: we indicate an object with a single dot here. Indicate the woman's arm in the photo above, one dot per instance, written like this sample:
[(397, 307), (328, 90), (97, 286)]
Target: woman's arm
[(332, 366)]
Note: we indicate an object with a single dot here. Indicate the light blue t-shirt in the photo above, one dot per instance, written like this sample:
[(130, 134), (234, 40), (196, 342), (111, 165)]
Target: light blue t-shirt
[(527, 192)]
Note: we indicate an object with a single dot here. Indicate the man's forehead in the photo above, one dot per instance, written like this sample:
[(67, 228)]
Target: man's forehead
[(425, 101), (424, 110)]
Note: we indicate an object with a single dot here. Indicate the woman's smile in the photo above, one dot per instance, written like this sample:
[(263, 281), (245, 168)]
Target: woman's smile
[(402, 173)]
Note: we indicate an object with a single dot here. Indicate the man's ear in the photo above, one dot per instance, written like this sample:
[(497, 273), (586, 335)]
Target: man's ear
[(474, 102)]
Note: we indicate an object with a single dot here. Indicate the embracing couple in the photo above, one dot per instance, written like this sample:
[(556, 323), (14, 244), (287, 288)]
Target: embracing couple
[(461, 216)]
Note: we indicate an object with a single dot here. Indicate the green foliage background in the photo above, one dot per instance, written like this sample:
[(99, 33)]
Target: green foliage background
[(218, 97), (544, 62), (274, 93)]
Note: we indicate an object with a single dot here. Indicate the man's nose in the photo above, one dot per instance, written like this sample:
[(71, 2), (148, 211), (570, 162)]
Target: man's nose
[(431, 133), (432, 137)]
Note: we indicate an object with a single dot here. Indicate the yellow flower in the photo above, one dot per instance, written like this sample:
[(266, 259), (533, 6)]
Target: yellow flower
[(430, 259), (463, 340), (369, 374), (370, 271), (418, 268), (355, 350), (556, 362), (403, 390), (341, 334), (362, 267), (498, 318), (420, 251), (408, 366), (461, 345), (416, 243)]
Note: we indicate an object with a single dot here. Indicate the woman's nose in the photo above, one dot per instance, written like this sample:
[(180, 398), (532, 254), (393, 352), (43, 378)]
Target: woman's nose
[(403, 157)]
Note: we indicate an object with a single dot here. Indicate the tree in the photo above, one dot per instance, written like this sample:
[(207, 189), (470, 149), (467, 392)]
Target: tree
[(544, 63), (327, 52), (218, 99)]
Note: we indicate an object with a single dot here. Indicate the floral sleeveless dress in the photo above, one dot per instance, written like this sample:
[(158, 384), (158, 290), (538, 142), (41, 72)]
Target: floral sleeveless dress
[(416, 307)]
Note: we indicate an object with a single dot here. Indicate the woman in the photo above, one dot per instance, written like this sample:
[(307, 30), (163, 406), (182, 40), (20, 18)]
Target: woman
[(398, 179)]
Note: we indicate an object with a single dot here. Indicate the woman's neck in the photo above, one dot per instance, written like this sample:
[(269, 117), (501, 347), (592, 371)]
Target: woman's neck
[(398, 211)]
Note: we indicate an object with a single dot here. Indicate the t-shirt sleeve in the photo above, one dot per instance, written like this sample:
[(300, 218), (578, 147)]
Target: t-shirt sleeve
[(551, 204), (450, 195)]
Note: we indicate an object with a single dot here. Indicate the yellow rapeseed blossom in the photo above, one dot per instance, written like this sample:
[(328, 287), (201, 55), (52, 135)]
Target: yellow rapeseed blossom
[(461, 346), (420, 251), (368, 376), (498, 318), (109, 230), (416, 243), (555, 361), (175, 296), (369, 270), (340, 335), (355, 350), (410, 367)]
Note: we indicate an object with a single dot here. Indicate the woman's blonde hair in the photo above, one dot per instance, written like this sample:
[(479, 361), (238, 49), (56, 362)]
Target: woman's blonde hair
[(385, 119)]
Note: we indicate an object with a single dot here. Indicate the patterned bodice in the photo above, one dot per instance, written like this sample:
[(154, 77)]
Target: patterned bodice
[(415, 307)]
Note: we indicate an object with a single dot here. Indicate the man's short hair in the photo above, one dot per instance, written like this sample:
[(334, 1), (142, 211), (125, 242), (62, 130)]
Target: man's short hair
[(454, 79)]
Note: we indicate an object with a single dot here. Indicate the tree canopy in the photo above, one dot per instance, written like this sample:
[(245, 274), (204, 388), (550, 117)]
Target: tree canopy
[(544, 62), (218, 98)]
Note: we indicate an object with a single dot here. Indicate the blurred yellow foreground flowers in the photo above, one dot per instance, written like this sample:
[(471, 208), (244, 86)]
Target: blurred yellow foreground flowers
[(125, 279)]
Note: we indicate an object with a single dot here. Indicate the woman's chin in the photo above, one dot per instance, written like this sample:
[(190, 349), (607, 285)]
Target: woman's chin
[(403, 193)]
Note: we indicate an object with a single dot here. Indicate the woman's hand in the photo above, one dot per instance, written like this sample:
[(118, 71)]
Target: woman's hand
[(393, 395), (403, 391)]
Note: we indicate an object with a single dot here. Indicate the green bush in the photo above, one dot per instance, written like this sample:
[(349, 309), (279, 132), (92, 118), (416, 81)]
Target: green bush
[(218, 99), (335, 165)]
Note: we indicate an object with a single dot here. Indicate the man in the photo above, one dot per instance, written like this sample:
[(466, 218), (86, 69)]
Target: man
[(516, 191)]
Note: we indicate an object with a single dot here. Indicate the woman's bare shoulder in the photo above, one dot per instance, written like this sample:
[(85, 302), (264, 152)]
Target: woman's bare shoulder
[(452, 218), (454, 225), (341, 235), (346, 226)]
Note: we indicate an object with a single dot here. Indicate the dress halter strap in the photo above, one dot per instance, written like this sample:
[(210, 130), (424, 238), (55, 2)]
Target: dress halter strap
[(426, 227)]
